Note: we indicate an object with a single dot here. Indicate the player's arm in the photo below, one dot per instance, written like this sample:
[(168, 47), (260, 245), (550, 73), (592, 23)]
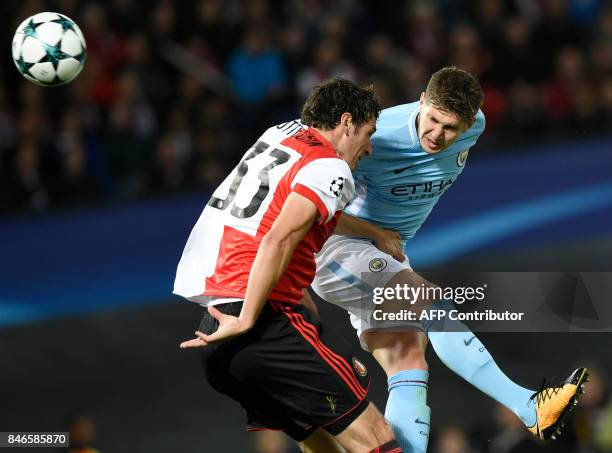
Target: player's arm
[(388, 241), (275, 251), (273, 256)]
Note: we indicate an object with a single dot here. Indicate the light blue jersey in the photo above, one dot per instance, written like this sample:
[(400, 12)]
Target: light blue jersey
[(399, 184)]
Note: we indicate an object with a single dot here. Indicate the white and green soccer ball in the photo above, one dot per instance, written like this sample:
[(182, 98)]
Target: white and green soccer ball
[(49, 49)]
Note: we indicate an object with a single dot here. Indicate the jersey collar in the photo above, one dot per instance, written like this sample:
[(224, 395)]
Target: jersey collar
[(412, 126), (323, 140)]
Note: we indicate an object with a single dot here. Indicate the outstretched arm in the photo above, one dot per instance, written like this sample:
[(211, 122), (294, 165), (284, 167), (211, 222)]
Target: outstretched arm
[(273, 256)]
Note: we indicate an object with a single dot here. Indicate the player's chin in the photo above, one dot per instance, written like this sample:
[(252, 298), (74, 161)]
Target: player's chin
[(433, 149)]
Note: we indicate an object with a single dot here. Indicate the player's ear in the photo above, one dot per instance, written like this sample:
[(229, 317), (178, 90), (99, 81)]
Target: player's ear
[(422, 98), (345, 121)]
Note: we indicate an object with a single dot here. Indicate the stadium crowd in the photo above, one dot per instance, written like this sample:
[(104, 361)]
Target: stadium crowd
[(173, 91)]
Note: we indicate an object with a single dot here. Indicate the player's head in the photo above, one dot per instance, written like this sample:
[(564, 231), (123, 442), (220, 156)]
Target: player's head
[(345, 114), (448, 108)]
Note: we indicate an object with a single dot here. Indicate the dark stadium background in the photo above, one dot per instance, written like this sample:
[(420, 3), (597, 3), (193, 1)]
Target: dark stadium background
[(102, 180)]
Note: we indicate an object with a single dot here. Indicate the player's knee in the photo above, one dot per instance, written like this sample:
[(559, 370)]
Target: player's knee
[(398, 351), (381, 432), (367, 432), (419, 292)]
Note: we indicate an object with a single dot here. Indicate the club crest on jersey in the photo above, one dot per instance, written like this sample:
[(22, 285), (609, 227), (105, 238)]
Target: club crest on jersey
[(360, 368), (462, 157), (377, 264), (336, 186)]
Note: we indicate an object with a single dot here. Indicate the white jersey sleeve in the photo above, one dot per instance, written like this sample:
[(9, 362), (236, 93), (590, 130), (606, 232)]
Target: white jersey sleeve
[(328, 183)]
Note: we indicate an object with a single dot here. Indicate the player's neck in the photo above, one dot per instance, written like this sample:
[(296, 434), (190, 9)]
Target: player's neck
[(330, 135)]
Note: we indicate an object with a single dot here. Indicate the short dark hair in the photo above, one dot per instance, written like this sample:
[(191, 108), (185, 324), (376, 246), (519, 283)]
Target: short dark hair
[(329, 100), (455, 91)]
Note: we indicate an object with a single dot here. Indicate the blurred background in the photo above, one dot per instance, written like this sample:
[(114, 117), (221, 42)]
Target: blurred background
[(101, 181)]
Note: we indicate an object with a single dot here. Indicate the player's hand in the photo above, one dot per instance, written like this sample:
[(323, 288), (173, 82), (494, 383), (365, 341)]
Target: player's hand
[(390, 242), (229, 327)]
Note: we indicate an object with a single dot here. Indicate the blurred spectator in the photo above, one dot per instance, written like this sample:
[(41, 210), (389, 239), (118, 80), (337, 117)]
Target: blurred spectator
[(74, 183), (166, 170), (489, 20), (328, 63), (215, 29), (584, 12), (27, 184), (184, 84), (525, 120), (104, 43), (163, 21), (150, 75), (7, 125), (606, 92), (424, 32), (414, 79), (81, 430), (126, 151), (593, 417), (257, 71), (384, 63), (569, 75), (294, 46), (518, 58), (206, 169), (555, 29), (452, 440), (466, 51)]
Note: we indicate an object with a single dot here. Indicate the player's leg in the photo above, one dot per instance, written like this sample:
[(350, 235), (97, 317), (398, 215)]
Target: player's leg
[(461, 351), (402, 357), (340, 267), (369, 431), (290, 373), (400, 352), (320, 441)]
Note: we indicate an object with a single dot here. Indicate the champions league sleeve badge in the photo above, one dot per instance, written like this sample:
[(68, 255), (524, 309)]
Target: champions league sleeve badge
[(336, 186)]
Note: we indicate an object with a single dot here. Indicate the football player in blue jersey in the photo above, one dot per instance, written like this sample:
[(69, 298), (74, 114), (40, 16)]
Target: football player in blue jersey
[(419, 150)]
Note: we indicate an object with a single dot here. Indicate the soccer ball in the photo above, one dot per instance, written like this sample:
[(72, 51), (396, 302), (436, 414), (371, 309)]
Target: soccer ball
[(49, 49)]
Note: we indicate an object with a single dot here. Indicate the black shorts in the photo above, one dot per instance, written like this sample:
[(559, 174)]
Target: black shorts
[(289, 372)]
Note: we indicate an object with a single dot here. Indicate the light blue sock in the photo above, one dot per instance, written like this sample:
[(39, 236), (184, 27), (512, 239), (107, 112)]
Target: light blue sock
[(407, 409), (463, 353)]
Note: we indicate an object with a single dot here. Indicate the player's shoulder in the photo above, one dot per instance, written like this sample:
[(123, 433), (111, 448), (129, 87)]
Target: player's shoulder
[(395, 127), (397, 113), (280, 132), (325, 164), (305, 140)]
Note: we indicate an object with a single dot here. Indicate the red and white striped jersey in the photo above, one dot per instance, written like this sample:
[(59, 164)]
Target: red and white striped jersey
[(220, 251)]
